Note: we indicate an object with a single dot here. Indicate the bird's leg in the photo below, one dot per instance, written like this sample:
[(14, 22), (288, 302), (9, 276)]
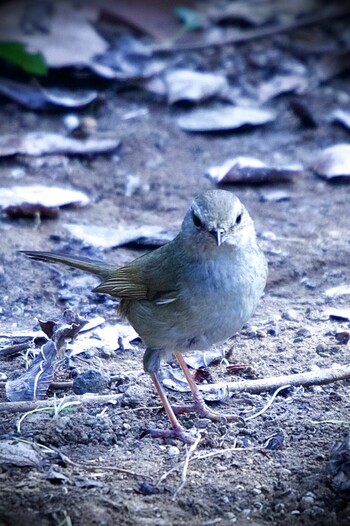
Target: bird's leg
[(199, 406), (177, 430)]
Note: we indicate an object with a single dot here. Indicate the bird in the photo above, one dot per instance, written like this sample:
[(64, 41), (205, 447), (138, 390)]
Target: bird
[(196, 291)]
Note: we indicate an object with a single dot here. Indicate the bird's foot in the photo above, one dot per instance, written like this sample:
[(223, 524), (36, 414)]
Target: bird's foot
[(201, 408), (179, 433)]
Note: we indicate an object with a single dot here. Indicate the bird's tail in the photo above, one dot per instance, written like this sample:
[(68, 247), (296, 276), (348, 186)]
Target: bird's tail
[(99, 268)]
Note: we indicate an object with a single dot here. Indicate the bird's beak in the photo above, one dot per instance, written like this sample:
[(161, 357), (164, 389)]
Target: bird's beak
[(218, 234)]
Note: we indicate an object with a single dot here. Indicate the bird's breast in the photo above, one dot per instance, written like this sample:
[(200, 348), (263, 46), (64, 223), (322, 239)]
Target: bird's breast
[(214, 298)]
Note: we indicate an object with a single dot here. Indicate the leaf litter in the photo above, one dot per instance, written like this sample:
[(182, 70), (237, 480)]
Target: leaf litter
[(49, 143), (333, 163), (249, 170), (35, 381), (109, 237), (224, 118), (28, 201)]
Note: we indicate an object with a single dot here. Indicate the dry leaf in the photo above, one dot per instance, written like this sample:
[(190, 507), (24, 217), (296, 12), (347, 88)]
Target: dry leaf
[(281, 84), (248, 170), (19, 454), (224, 118), (337, 292), (46, 143), (342, 314), (37, 97), (105, 237), (39, 199), (35, 381), (193, 86), (68, 39), (343, 117), (333, 162)]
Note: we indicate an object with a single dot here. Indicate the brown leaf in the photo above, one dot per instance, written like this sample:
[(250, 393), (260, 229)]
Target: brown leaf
[(69, 39), (224, 118), (19, 454)]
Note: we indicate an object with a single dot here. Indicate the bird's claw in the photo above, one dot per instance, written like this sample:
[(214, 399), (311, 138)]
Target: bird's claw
[(179, 433), (201, 408)]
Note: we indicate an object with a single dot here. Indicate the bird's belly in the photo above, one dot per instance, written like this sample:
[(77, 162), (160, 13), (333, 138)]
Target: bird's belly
[(208, 310)]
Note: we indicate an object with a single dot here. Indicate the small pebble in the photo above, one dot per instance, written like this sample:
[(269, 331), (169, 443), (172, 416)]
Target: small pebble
[(90, 382), (280, 508), (304, 333), (173, 451), (147, 488), (322, 349), (343, 337), (268, 235), (291, 315), (307, 501)]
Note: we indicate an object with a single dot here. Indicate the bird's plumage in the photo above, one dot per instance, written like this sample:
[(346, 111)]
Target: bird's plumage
[(193, 292)]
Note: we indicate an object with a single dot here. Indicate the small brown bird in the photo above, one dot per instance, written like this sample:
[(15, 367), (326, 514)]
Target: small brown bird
[(196, 291)]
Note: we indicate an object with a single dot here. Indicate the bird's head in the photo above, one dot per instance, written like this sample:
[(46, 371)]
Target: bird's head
[(216, 218)]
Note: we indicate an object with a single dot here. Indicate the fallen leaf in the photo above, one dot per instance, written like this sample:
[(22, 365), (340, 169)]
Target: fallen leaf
[(174, 379), (342, 314), (31, 200), (337, 292), (274, 196), (199, 359), (108, 338), (281, 84), (248, 170), (19, 454), (68, 38), (338, 466), (129, 59), (35, 381), (46, 143), (106, 237), (333, 162), (343, 117), (15, 53), (193, 86), (224, 118), (37, 97)]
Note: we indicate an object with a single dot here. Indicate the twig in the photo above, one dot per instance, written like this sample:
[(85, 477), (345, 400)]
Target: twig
[(185, 467), (208, 455), (269, 403), (67, 460), (12, 350), (319, 377), (222, 451), (61, 385), (20, 407), (254, 34)]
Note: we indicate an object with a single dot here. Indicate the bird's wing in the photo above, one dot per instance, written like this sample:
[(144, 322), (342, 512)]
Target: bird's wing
[(149, 277)]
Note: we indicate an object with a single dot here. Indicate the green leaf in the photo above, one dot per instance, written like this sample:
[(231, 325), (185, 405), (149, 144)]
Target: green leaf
[(16, 53), (189, 17)]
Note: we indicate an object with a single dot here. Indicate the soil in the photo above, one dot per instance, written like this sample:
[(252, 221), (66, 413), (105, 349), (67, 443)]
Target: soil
[(98, 467)]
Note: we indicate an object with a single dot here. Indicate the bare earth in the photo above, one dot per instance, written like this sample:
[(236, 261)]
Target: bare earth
[(306, 240)]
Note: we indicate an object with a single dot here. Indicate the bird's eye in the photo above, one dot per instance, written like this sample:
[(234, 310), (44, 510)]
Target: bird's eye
[(238, 219), (196, 220)]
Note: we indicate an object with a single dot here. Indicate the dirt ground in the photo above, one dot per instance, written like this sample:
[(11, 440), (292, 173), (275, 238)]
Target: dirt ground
[(113, 475)]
